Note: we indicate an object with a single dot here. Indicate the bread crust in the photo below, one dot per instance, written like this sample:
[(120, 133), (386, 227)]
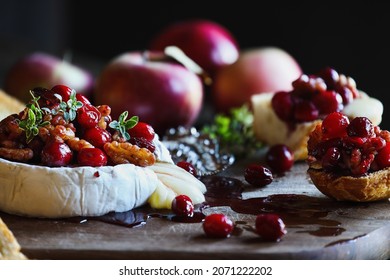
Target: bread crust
[(9, 246), (372, 187)]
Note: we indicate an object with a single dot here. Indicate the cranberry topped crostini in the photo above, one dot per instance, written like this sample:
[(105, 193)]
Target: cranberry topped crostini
[(350, 160), (287, 117)]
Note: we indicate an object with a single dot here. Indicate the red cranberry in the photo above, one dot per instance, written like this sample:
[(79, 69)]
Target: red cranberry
[(188, 167), (83, 99), (56, 154), (258, 175), (88, 116), (282, 105), (335, 125), (345, 93), (182, 206), (350, 143), (360, 127), (92, 157), (305, 111), (218, 225), (63, 91), (305, 86), (376, 143), (330, 76), (270, 227), (331, 158), (280, 158), (143, 143), (383, 157), (323, 146), (328, 101), (47, 97), (144, 130), (97, 136)]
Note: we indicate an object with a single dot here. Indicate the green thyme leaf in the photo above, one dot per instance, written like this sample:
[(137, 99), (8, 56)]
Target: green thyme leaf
[(234, 131), (122, 125), (70, 107), (33, 119)]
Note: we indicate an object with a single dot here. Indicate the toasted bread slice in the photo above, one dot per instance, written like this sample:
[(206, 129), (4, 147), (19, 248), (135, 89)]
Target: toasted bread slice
[(9, 247), (372, 187), (9, 105)]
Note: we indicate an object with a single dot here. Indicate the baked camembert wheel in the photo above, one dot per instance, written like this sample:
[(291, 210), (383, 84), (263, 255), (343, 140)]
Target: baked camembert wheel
[(350, 160), (287, 117), (61, 157)]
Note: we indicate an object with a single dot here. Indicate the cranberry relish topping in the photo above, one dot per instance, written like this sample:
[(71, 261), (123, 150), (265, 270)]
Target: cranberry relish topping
[(355, 147), (60, 127), (314, 96)]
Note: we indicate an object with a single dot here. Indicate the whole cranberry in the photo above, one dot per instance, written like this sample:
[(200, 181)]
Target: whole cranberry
[(305, 111), (330, 76), (360, 127), (56, 154), (142, 129), (335, 125), (346, 94), (270, 226), (218, 225), (63, 91), (83, 99), (182, 206), (282, 105), (258, 175), (188, 167), (279, 158), (47, 97), (328, 101), (331, 158), (88, 116), (97, 136), (92, 157)]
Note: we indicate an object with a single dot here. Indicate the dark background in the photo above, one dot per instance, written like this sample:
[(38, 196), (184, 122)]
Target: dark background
[(351, 37)]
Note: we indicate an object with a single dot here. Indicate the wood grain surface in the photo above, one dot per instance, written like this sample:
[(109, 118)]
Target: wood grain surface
[(318, 228)]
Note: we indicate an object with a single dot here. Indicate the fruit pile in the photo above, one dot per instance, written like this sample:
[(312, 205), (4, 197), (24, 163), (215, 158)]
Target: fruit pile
[(344, 147), (315, 96), (60, 127)]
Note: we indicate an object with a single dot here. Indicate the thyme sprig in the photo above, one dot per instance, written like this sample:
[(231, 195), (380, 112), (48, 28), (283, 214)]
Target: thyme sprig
[(34, 118), (70, 107), (234, 131), (122, 125)]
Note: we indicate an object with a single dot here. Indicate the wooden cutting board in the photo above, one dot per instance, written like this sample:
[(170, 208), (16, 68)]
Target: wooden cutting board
[(318, 228)]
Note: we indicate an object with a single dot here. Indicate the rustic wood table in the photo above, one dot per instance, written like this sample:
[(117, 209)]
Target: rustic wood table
[(318, 228)]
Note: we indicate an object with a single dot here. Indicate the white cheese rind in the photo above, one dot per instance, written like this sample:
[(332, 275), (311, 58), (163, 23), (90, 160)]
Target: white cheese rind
[(41, 191), (58, 192)]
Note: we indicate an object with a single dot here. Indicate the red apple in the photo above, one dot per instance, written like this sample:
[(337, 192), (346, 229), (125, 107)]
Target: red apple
[(206, 42), (40, 69), (160, 92), (267, 69)]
